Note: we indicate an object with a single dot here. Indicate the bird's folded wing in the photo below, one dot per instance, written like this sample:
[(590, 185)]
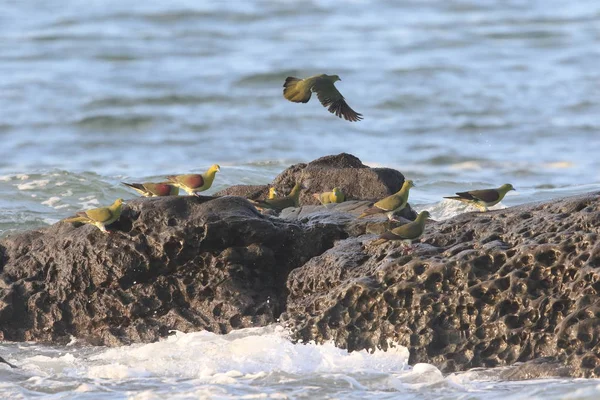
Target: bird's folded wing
[(158, 189), (330, 97), (408, 231), (99, 214), (487, 195), (190, 181), (389, 203)]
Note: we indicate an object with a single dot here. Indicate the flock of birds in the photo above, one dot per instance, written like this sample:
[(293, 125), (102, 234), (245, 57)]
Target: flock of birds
[(299, 91)]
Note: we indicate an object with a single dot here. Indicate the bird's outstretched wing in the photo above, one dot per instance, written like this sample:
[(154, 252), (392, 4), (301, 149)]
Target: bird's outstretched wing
[(330, 97)]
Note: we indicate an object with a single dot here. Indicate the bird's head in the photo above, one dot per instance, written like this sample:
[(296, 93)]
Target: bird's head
[(334, 78), (507, 187), (337, 191), (215, 168), (425, 214), (408, 184), (118, 202), (272, 192)]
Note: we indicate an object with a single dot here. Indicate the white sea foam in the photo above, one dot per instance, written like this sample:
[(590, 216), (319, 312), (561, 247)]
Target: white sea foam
[(446, 209), (40, 183), (249, 353), (52, 201), (259, 363)]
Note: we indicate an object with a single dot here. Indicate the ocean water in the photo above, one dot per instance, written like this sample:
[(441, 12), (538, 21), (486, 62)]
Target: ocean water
[(455, 94)]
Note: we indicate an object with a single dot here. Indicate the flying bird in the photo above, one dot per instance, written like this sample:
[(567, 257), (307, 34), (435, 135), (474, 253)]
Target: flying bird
[(390, 204), (99, 217), (299, 91), (279, 203), (407, 232), (149, 189), (483, 198), (335, 196), (194, 183)]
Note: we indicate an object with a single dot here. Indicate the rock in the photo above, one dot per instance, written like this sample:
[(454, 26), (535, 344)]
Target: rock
[(515, 287), (481, 290), (357, 181), (253, 192), (182, 263)]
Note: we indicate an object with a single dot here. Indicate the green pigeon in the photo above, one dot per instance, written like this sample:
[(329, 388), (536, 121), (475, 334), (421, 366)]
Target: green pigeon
[(100, 217), (406, 232), (149, 189), (272, 193), (335, 196), (390, 204), (193, 183), (279, 203), (299, 91), (483, 198)]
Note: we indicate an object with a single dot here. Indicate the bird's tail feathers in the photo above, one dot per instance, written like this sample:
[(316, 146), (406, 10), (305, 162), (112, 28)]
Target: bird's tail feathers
[(77, 219), (293, 92), (290, 81), (457, 198), (136, 186)]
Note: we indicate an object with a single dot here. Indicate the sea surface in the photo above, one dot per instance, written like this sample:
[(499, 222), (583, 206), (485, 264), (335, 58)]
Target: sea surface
[(456, 95)]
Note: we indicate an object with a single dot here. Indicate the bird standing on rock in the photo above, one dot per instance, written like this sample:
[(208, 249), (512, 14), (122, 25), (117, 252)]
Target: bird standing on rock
[(406, 232), (390, 204), (149, 189), (299, 91), (483, 198), (335, 196), (278, 204), (99, 217), (272, 193), (194, 183)]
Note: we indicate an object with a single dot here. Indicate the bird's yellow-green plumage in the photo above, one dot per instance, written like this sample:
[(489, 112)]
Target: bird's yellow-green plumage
[(194, 183), (150, 189), (335, 196), (299, 91), (272, 193), (483, 198), (100, 217), (391, 204), (279, 203), (407, 232)]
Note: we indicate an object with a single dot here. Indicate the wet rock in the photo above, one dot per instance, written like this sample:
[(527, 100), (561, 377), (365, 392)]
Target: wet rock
[(480, 290), (182, 263)]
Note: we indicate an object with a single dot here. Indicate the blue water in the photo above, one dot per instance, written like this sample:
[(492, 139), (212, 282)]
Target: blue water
[(455, 94)]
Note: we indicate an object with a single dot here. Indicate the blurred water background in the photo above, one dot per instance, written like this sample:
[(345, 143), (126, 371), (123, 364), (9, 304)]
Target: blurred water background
[(455, 94)]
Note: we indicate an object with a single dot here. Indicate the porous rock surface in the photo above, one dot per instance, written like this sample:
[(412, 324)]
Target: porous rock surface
[(182, 263), (480, 290)]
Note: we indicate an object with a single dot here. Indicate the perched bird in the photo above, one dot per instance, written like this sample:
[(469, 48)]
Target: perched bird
[(335, 196), (272, 193), (300, 90), (279, 203), (193, 183), (99, 217), (406, 232), (391, 204), (149, 189), (484, 198)]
